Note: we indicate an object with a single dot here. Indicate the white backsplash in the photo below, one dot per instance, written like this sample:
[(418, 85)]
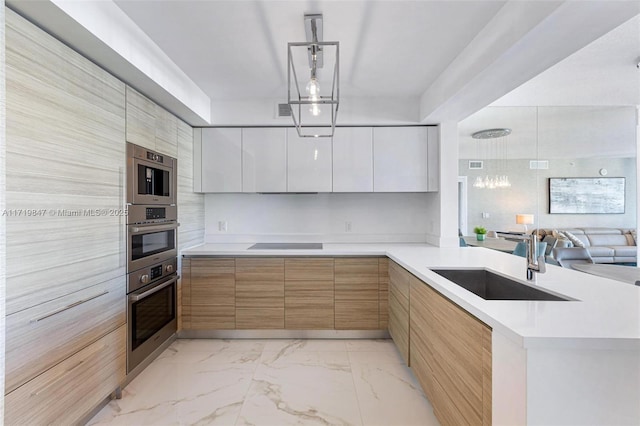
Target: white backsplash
[(373, 217)]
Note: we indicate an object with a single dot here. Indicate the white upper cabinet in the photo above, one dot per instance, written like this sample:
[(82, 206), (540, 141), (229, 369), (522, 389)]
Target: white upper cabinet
[(308, 163), (264, 160), (433, 159), (353, 159), (400, 158), (221, 160)]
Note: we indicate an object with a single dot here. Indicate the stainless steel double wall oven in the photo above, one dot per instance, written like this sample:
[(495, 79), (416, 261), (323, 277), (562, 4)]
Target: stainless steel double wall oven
[(152, 241)]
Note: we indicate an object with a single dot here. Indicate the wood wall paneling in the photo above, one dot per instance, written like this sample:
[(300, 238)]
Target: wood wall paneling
[(65, 156), (141, 120)]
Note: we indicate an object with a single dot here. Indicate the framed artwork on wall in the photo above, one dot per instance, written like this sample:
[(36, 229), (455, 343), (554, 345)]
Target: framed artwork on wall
[(587, 195)]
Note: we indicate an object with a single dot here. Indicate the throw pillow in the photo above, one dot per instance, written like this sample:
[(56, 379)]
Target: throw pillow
[(634, 236), (576, 242)]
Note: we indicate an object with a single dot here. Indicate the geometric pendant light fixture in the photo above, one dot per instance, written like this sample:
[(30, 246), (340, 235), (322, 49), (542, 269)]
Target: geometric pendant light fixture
[(313, 81)]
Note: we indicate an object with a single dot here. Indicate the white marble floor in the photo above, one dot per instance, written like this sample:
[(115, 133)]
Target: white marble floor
[(273, 382)]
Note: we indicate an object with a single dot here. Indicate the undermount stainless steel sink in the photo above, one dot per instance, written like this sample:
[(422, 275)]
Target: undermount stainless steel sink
[(286, 246), (491, 286)]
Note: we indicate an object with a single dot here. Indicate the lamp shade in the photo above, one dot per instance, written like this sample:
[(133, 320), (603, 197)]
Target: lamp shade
[(524, 219)]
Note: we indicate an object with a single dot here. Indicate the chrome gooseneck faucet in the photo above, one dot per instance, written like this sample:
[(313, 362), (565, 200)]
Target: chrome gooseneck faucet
[(534, 263)]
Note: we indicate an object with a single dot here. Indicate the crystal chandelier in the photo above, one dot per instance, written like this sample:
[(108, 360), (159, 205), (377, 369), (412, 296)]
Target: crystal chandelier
[(494, 143)]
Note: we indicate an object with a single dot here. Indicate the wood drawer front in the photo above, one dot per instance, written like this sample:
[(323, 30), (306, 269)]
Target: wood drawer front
[(356, 279), (401, 299), (67, 392), (308, 269), (399, 278), (398, 326), (259, 318), (383, 294), (357, 315), (211, 317), (309, 305), (42, 336), (259, 283), (213, 282), (260, 269)]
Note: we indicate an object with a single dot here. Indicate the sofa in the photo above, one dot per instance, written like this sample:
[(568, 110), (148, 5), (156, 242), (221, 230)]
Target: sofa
[(605, 245)]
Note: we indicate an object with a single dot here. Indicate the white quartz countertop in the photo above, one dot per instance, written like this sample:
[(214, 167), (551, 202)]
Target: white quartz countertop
[(604, 315)]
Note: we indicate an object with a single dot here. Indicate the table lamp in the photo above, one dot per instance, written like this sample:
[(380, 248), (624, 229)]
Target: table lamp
[(524, 219)]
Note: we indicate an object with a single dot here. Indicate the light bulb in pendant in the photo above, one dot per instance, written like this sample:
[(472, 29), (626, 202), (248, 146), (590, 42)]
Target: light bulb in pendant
[(313, 89)]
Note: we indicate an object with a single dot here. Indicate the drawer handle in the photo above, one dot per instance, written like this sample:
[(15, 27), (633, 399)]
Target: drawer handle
[(55, 380), (73, 305)]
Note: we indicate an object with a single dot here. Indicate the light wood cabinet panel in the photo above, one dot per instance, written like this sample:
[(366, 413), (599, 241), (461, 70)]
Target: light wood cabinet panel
[(259, 293), (212, 294), (309, 305), (260, 283), (69, 391), (356, 279), (221, 160), (357, 315), (308, 269), (259, 318), (356, 293), (399, 279), (383, 294), (399, 324), (42, 336), (166, 128), (141, 119), (65, 151), (451, 356)]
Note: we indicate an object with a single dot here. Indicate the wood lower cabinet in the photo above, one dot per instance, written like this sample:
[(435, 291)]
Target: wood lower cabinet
[(211, 293), (451, 356), (383, 292), (309, 294), (305, 293), (259, 293), (356, 293), (399, 308), (69, 391)]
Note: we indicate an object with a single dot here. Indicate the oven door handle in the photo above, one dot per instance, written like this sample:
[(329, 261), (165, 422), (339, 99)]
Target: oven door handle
[(137, 297), (153, 228)]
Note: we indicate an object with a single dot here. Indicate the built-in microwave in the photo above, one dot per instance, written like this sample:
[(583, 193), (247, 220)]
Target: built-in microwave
[(150, 244), (151, 177)]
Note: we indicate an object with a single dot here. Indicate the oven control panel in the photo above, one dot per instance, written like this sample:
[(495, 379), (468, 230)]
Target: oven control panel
[(148, 275)]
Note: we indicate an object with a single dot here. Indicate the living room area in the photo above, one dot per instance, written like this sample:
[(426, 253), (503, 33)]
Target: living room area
[(557, 157)]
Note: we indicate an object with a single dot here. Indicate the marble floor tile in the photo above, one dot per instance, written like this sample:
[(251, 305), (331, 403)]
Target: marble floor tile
[(272, 382)]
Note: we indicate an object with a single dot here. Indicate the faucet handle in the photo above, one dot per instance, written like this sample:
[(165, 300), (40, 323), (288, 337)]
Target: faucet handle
[(542, 266)]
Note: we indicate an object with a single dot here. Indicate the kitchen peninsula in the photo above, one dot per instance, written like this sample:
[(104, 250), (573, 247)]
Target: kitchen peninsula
[(573, 361)]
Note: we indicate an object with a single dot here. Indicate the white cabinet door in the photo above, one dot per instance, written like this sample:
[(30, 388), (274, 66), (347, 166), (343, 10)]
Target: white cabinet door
[(264, 160), (433, 159), (353, 159), (308, 163), (221, 160), (400, 159)]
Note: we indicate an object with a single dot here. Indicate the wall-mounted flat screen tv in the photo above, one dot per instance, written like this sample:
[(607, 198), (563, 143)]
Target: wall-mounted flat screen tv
[(586, 195)]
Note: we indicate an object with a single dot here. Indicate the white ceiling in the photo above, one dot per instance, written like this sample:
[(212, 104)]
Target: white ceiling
[(441, 60), (238, 49)]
